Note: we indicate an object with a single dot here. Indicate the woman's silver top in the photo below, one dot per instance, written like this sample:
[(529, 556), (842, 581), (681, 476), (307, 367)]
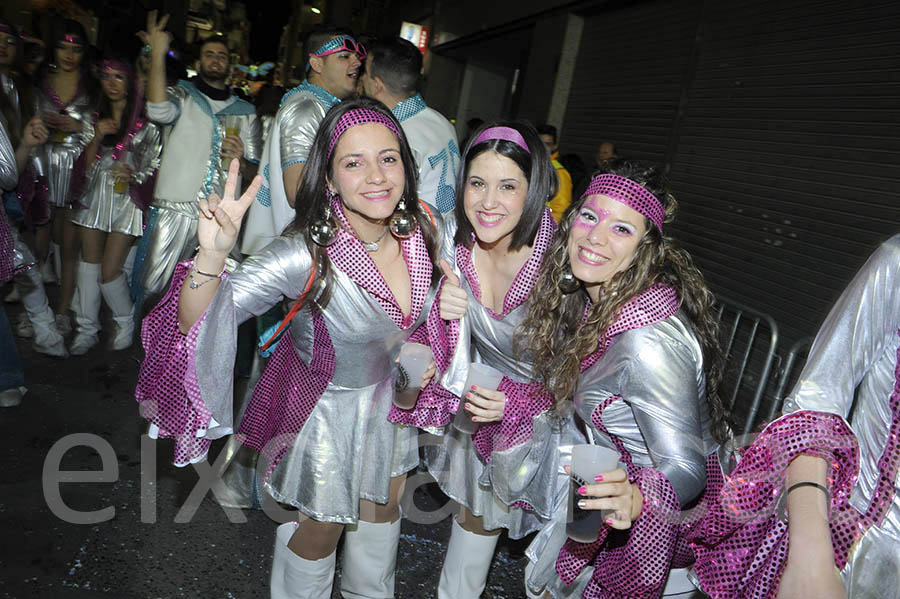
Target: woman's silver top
[(56, 158), (662, 417), (143, 158)]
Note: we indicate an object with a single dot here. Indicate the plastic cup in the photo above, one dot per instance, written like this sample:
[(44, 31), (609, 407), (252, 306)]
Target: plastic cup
[(587, 462), (481, 375), (232, 127), (121, 185), (412, 363)]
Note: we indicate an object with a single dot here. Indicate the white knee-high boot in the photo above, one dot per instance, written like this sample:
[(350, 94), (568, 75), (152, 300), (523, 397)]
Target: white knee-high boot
[(466, 564), (296, 578), (128, 265), (117, 296), (51, 266), (47, 339), (369, 562), (86, 305)]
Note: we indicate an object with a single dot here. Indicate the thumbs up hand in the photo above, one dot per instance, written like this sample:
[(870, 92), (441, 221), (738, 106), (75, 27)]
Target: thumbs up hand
[(454, 300)]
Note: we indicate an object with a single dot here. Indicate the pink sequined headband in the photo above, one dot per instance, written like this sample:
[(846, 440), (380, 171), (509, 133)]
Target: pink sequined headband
[(72, 39), (505, 133), (358, 116), (116, 65), (629, 193)]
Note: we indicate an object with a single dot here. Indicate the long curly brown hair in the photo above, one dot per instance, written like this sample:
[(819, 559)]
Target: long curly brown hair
[(558, 338)]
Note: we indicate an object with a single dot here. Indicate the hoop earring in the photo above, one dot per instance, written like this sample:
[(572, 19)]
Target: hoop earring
[(403, 223), (322, 230), (567, 282)]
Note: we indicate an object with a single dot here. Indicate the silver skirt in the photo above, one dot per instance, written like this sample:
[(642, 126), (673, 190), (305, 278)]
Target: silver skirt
[(111, 212), (464, 477), (346, 451)]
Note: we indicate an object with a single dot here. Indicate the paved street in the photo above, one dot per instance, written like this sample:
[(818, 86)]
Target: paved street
[(142, 552)]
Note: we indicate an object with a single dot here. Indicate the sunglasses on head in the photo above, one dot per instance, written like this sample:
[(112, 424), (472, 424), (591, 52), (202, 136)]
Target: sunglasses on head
[(341, 44)]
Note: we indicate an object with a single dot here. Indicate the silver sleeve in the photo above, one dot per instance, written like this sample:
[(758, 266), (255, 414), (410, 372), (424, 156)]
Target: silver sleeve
[(859, 328), (8, 174), (656, 375), (253, 140), (147, 148), (299, 122), (262, 280)]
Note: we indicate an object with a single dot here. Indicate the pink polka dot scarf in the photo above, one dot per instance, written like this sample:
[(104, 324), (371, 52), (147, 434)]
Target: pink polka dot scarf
[(527, 276), (348, 254)]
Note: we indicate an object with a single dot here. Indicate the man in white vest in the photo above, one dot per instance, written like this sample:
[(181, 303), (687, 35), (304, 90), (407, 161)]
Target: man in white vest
[(331, 76), (393, 68), (207, 128)]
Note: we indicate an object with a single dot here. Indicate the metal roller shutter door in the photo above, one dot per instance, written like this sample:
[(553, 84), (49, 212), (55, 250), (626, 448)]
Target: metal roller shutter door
[(629, 77), (786, 161)]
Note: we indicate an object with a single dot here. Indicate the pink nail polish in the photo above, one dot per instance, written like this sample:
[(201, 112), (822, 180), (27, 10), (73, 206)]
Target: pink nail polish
[(582, 491), (468, 406), (468, 394), (609, 522), (599, 478), (473, 387)]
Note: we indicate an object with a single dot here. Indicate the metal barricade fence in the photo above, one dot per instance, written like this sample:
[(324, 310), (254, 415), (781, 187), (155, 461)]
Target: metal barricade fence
[(751, 340), (787, 373)]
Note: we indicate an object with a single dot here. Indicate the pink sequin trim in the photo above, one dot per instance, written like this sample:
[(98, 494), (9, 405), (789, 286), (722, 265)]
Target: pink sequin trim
[(359, 116), (286, 394), (631, 194), (167, 388), (742, 545), (656, 303), (348, 254), (526, 277)]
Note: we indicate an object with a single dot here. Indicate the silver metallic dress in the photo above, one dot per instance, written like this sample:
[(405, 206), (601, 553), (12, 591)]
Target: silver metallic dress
[(855, 356), (662, 419), (347, 449), (108, 209), (531, 471), (56, 158)]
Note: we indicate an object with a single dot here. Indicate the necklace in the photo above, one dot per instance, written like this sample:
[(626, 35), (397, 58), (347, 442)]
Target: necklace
[(372, 246)]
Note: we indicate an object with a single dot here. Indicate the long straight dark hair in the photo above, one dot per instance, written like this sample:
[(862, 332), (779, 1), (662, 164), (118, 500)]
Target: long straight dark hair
[(59, 28), (534, 162), (133, 103), (311, 198)]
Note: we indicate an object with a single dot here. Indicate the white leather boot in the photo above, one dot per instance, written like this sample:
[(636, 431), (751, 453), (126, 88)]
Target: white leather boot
[(369, 562), (466, 564), (86, 305), (128, 265), (47, 339), (294, 577), (117, 296)]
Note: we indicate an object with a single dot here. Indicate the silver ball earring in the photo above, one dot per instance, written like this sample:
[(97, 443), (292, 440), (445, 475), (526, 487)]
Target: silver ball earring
[(567, 282), (322, 230), (403, 223)]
